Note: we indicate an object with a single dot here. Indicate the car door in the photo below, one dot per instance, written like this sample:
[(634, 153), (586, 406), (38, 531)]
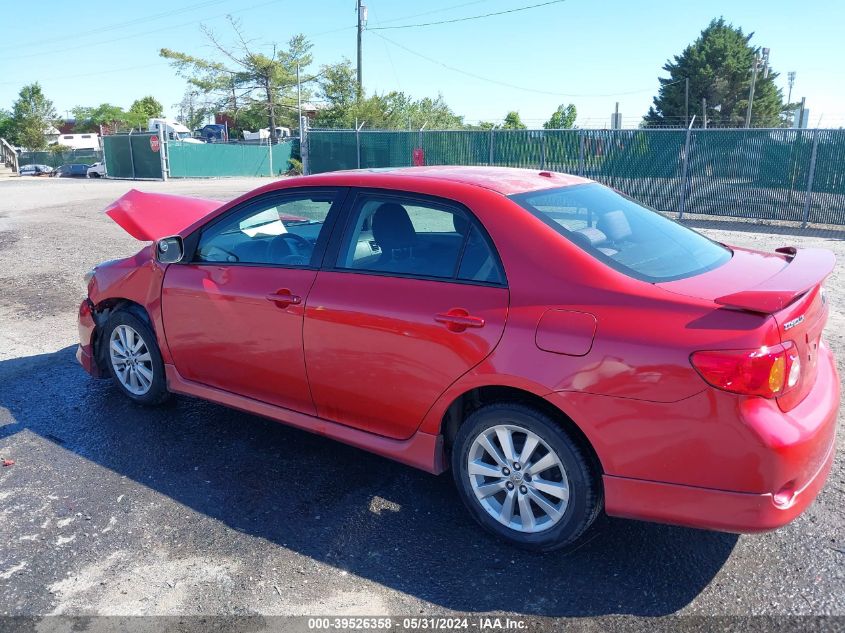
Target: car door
[(233, 313), (411, 297)]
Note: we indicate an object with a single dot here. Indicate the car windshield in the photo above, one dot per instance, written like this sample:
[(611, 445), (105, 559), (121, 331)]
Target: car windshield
[(624, 234)]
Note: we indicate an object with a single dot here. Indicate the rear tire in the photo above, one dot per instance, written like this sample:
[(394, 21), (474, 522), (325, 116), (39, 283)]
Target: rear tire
[(524, 478), (133, 358)]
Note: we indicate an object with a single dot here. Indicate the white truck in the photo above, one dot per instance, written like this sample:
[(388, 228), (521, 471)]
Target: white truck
[(173, 131), (79, 141), (264, 133)]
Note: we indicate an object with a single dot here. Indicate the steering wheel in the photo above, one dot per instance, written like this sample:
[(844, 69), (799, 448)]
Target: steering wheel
[(298, 249)]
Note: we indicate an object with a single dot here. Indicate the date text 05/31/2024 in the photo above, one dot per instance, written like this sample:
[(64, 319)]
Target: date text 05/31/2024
[(416, 623)]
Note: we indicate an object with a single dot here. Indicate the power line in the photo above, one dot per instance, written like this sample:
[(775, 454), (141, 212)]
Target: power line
[(441, 10), (472, 17), (122, 25), (404, 17), (503, 83), (93, 74), (141, 34)]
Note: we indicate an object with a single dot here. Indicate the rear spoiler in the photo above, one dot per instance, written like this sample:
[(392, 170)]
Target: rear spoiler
[(150, 216), (807, 268)]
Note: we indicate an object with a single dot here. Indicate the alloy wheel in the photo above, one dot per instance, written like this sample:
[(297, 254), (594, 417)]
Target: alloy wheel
[(517, 478), (131, 360)]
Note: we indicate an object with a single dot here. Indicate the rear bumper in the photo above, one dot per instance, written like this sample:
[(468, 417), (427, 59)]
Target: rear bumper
[(85, 351), (793, 452), (706, 508)]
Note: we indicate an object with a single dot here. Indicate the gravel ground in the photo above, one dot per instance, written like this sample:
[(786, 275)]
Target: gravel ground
[(196, 509)]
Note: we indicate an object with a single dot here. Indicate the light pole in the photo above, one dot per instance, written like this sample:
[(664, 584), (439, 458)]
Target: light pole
[(758, 60), (362, 21), (790, 79)]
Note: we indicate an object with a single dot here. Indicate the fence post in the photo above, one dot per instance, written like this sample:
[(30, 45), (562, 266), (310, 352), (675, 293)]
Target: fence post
[(491, 146), (543, 150), (303, 144), (131, 154), (162, 151), (270, 153), (358, 141), (683, 201), (581, 153), (810, 176)]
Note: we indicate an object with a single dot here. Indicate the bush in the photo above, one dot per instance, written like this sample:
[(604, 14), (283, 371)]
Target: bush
[(295, 167)]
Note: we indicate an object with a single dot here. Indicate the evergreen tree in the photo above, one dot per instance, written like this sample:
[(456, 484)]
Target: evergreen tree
[(719, 68)]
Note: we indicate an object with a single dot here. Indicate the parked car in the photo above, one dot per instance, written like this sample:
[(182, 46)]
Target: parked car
[(35, 170), (75, 170), (563, 349), (264, 133), (97, 170), (213, 133)]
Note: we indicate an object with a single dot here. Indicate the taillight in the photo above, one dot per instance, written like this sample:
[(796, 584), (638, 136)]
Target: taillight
[(768, 371)]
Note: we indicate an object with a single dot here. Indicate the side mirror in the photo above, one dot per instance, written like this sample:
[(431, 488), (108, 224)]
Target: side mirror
[(169, 250)]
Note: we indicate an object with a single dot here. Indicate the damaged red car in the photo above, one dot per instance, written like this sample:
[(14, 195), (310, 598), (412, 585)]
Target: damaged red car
[(561, 348)]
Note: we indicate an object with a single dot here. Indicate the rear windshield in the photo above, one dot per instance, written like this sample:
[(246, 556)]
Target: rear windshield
[(629, 237)]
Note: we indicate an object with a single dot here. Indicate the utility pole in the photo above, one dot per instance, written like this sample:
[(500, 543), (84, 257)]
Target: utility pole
[(686, 101), (298, 100), (362, 19), (704, 112), (764, 60)]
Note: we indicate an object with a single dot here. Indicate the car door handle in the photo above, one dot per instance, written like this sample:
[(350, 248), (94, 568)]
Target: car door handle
[(458, 320), (284, 298)]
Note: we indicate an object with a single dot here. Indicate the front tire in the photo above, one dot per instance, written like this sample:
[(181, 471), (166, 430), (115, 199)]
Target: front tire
[(133, 358), (524, 478)]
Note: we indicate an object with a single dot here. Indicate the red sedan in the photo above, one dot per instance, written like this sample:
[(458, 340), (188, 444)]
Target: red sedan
[(561, 347)]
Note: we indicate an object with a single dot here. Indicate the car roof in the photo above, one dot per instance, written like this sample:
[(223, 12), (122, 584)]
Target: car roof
[(505, 180)]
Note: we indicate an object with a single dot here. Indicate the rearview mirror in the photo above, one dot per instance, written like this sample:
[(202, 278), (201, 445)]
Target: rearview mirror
[(169, 250)]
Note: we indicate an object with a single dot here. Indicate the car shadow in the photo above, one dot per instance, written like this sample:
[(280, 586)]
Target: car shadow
[(344, 507)]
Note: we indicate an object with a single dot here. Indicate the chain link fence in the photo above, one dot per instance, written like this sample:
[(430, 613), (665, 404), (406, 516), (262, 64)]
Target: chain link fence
[(57, 159), (771, 174)]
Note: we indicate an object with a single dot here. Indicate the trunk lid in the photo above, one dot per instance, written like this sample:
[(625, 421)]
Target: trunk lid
[(786, 285)]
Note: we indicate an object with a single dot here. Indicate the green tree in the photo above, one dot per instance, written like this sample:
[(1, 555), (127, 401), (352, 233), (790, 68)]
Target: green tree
[(142, 110), (6, 124), (393, 110), (563, 118), (513, 122), (338, 89), (719, 67), (32, 117), (247, 78), (90, 119), (192, 111)]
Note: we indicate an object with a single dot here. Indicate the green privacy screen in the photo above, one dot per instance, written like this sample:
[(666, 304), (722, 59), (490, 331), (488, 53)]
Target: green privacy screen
[(216, 160), (55, 159), (132, 156), (774, 174)]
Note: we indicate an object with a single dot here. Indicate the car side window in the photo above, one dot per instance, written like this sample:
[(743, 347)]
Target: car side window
[(407, 236), (283, 231), (479, 262)]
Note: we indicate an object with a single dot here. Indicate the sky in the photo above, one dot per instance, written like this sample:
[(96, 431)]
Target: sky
[(592, 53)]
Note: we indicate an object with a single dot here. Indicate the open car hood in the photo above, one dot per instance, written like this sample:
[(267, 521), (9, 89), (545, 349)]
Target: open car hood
[(150, 216)]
